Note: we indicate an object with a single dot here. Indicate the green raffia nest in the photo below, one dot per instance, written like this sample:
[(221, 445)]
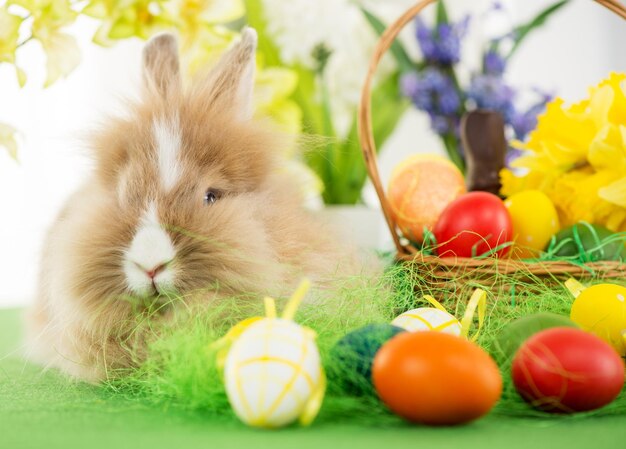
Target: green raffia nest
[(180, 370), (550, 268)]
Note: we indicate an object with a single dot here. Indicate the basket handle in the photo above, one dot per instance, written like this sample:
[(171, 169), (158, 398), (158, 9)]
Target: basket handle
[(366, 135)]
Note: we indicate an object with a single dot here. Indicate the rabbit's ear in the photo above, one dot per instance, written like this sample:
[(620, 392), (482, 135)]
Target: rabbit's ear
[(231, 81), (161, 67)]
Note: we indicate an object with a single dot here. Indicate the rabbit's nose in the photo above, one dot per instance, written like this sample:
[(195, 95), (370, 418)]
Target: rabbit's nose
[(152, 272)]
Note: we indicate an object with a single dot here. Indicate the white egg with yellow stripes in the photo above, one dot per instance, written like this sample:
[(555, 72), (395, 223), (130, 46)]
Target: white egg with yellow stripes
[(438, 319), (428, 319), (273, 372)]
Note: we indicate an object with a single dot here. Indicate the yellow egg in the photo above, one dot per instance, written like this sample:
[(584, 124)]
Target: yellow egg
[(428, 319), (601, 310), (535, 221)]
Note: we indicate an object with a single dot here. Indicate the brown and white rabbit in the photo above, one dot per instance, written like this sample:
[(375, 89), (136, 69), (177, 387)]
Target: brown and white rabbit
[(187, 197)]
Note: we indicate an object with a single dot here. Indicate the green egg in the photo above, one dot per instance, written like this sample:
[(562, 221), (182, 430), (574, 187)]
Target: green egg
[(589, 237), (517, 332), (353, 355)]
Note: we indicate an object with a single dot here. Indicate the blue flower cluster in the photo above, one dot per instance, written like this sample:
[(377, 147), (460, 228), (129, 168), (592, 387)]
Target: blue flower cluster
[(492, 92), (434, 92), (433, 87), (441, 45)]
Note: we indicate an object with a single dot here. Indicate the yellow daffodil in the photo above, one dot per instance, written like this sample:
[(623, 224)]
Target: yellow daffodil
[(577, 156)]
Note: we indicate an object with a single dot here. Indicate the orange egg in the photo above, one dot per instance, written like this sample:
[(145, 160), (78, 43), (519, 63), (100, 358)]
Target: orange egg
[(435, 378), (420, 189)]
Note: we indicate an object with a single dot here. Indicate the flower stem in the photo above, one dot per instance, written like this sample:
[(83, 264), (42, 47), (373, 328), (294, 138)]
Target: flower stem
[(329, 133), (451, 143)]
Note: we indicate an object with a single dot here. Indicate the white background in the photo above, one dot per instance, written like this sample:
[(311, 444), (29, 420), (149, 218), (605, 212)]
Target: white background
[(579, 47)]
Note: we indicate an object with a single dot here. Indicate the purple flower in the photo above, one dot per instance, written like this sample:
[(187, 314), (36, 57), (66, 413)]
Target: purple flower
[(433, 91), (511, 155), (425, 39), (409, 84), (413, 86), (442, 44), (440, 124), (524, 122), (434, 80), (493, 63), (448, 100), (491, 92)]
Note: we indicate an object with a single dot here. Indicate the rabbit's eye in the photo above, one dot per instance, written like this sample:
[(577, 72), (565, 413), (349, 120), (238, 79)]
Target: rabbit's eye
[(211, 196)]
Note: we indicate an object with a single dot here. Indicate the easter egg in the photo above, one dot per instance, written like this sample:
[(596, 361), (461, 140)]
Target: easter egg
[(535, 220), (601, 310), (511, 337), (435, 378), (273, 373), (428, 319), (473, 224), (583, 237), (354, 353), (419, 189), (566, 370)]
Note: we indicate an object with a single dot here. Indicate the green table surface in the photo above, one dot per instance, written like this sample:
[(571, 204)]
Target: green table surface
[(43, 409)]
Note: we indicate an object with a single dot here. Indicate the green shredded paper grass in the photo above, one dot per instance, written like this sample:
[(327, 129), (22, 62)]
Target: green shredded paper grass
[(180, 369)]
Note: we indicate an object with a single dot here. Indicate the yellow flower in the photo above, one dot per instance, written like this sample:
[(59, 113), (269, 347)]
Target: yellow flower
[(9, 36), (200, 24), (121, 19), (272, 97), (206, 48), (577, 156), (8, 140), (49, 17), (197, 16)]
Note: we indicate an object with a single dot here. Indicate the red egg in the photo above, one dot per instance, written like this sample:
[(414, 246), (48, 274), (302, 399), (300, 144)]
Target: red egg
[(566, 370), (472, 225), (435, 378)]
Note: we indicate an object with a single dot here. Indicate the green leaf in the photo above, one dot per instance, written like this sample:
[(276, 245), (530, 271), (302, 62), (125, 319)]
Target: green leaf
[(397, 50), (255, 18), (442, 13), (388, 107), (338, 163), (349, 168), (522, 31)]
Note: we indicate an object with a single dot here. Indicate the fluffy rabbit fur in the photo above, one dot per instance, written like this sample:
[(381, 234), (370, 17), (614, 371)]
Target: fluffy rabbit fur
[(187, 197)]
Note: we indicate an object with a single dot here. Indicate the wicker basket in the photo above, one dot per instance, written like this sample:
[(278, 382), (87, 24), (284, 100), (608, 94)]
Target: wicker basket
[(446, 271)]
